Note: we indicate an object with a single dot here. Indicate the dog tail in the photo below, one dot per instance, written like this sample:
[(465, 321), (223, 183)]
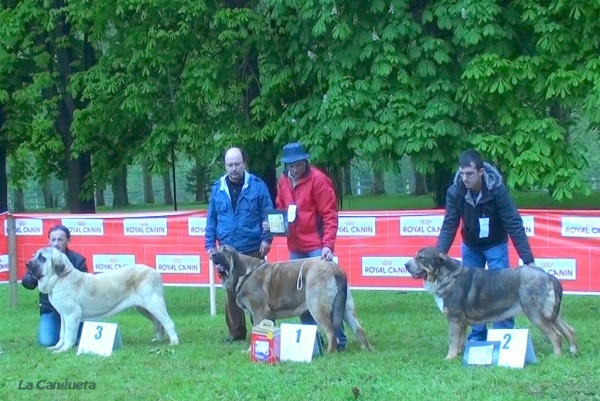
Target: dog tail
[(558, 292), (339, 303), (352, 321)]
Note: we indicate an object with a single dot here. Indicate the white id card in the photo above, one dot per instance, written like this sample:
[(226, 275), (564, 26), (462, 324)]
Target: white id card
[(291, 213), (484, 227)]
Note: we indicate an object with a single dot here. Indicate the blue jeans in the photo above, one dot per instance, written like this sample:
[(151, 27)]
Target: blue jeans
[(496, 258), (307, 318), (49, 330)]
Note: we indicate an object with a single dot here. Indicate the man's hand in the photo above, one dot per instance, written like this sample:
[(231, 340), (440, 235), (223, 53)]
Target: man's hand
[(327, 253), (530, 264), (265, 247), (265, 226)]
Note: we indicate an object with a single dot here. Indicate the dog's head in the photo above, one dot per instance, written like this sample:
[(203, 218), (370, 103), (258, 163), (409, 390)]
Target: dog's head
[(428, 263), (47, 263), (227, 263)]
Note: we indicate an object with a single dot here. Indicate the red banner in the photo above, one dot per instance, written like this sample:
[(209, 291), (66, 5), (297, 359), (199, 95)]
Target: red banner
[(371, 246)]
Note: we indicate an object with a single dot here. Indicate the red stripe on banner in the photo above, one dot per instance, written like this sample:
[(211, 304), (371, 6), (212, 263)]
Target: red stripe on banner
[(371, 247)]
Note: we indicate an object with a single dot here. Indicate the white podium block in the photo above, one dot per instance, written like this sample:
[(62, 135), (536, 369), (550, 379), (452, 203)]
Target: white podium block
[(516, 347), (299, 342), (99, 338)]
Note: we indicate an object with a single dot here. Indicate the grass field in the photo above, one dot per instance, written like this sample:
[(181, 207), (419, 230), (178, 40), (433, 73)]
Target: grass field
[(406, 329), (525, 200)]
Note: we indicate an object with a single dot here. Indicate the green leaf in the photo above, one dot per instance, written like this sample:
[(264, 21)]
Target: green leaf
[(377, 6), (319, 29)]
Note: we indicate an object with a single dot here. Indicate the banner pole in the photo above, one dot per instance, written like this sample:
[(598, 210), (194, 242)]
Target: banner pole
[(12, 260), (211, 279)]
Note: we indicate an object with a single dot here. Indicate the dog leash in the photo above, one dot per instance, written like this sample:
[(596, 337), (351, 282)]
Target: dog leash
[(299, 280)]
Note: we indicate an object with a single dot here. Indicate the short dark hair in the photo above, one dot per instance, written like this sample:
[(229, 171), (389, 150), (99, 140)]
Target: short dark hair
[(62, 228), (471, 156)]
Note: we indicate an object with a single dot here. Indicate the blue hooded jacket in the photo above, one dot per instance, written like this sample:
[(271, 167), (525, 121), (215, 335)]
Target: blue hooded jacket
[(242, 227)]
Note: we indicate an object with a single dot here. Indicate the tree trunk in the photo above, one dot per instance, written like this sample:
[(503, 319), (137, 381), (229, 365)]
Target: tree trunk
[(378, 188), (348, 179), (47, 193), (78, 170), (119, 187), (3, 175), (335, 174), (441, 180), (419, 184), (147, 182), (3, 181), (200, 178), (168, 195), (262, 156), (262, 163), (18, 200), (561, 115), (100, 201)]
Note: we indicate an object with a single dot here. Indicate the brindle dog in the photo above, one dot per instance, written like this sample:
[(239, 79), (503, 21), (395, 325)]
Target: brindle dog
[(477, 296), (283, 290)]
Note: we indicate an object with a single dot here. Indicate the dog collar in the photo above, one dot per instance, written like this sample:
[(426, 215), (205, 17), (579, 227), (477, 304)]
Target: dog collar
[(246, 276)]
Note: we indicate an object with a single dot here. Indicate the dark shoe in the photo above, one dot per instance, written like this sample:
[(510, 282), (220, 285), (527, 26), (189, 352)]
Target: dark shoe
[(230, 338), (341, 347)]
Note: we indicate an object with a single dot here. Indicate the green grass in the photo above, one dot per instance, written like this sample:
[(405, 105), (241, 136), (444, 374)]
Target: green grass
[(524, 200), (407, 330)]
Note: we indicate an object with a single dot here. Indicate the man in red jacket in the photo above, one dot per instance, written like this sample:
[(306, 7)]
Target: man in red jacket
[(308, 196)]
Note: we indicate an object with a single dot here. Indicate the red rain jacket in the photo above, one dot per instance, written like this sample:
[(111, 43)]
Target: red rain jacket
[(316, 221)]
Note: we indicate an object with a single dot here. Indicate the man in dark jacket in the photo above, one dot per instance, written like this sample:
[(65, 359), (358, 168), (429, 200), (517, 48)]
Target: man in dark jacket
[(49, 330), (238, 206), (480, 199)]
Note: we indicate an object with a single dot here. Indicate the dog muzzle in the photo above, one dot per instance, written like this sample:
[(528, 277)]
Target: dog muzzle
[(221, 271)]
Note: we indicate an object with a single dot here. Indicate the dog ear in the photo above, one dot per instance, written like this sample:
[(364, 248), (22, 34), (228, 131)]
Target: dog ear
[(58, 262), (441, 257), (59, 267), (445, 260), (240, 267)]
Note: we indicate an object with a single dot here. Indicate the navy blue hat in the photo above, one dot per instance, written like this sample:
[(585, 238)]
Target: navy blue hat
[(293, 152)]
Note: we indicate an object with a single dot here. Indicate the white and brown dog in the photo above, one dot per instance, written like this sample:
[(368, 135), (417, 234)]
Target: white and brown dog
[(78, 296)]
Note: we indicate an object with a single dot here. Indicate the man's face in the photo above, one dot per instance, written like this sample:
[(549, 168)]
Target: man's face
[(470, 176), (297, 168), (58, 239), (234, 166)]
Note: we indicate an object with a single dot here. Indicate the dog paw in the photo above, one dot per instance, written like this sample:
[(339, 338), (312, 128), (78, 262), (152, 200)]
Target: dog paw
[(450, 357), (247, 351), (175, 341)]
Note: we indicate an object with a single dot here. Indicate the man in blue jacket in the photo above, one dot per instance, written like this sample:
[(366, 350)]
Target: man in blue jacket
[(480, 199), (238, 206)]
